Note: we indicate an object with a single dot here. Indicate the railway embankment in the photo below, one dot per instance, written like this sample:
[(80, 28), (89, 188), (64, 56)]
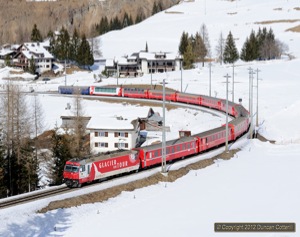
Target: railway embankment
[(103, 195)]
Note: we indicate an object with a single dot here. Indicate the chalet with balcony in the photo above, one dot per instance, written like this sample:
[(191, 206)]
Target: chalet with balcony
[(143, 63), (34, 51)]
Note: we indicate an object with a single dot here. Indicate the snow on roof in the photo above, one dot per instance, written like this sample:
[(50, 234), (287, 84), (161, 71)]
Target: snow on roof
[(37, 49), (110, 123), (4, 52), (153, 55)]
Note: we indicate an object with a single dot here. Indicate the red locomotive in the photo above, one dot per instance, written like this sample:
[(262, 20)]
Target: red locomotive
[(78, 172)]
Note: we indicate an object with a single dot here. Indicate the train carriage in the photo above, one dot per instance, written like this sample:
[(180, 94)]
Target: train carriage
[(189, 98), (83, 90), (239, 126), (175, 149), (232, 108), (158, 95), (213, 138), (135, 92), (106, 91), (77, 172), (210, 102)]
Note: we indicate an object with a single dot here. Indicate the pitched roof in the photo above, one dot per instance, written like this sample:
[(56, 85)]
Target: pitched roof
[(36, 50)]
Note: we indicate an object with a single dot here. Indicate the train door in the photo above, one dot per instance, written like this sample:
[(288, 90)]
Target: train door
[(84, 171), (232, 132), (92, 89), (204, 144)]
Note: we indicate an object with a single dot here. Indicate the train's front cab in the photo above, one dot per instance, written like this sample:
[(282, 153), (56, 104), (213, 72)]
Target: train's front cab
[(71, 174)]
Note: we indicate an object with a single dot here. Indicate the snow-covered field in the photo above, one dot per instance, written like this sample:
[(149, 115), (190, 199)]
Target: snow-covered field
[(260, 184)]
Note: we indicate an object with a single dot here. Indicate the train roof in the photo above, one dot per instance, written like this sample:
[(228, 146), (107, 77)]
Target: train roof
[(103, 156), (210, 132), (168, 143), (238, 120)]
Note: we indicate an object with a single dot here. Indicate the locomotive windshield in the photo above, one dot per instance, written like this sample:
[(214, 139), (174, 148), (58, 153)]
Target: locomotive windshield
[(71, 168)]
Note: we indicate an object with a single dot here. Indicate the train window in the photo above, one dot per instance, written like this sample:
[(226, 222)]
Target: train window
[(178, 148), (156, 153), (88, 170), (173, 149), (183, 146), (188, 145), (105, 89), (82, 168)]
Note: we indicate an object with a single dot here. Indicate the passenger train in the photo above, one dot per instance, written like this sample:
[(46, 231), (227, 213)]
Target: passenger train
[(78, 172)]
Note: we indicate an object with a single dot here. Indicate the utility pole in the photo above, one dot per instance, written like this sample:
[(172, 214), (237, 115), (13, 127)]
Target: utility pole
[(257, 71), (226, 144), (181, 72), (163, 161), (117, 73), (251, 73), (151, 74), (209, 79), (233, 82), (65, 73)]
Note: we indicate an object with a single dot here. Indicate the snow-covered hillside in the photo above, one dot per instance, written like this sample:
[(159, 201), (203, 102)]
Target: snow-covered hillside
[(260, 184)]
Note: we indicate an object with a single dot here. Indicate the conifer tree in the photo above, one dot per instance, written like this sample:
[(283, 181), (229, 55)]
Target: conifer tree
[(188, 57), (245, 52), (183, 42), (32, 66), (104, 26), (146, 48), (254, 47), (199, 48), (61, 153), (36, 34), (62, 46), (52, 42), (85, 55), (231, 54), (74, 46), (155, 8), (140, 16)]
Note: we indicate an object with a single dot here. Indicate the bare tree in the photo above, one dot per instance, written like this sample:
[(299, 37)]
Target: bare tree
[(96, 47), (205, 37), (220, 48), (16, 133), (78, 126), (38, 125)]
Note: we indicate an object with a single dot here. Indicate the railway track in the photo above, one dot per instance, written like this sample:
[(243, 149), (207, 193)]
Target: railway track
[(16, 200)]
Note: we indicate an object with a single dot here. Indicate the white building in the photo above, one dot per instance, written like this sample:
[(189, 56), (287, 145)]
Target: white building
[(114, 134), (143, 63), (36, 51)]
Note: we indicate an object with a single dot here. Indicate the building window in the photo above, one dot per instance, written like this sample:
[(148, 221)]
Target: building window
[(101, 144), (121, 145), (101, 134), (121, 134)]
